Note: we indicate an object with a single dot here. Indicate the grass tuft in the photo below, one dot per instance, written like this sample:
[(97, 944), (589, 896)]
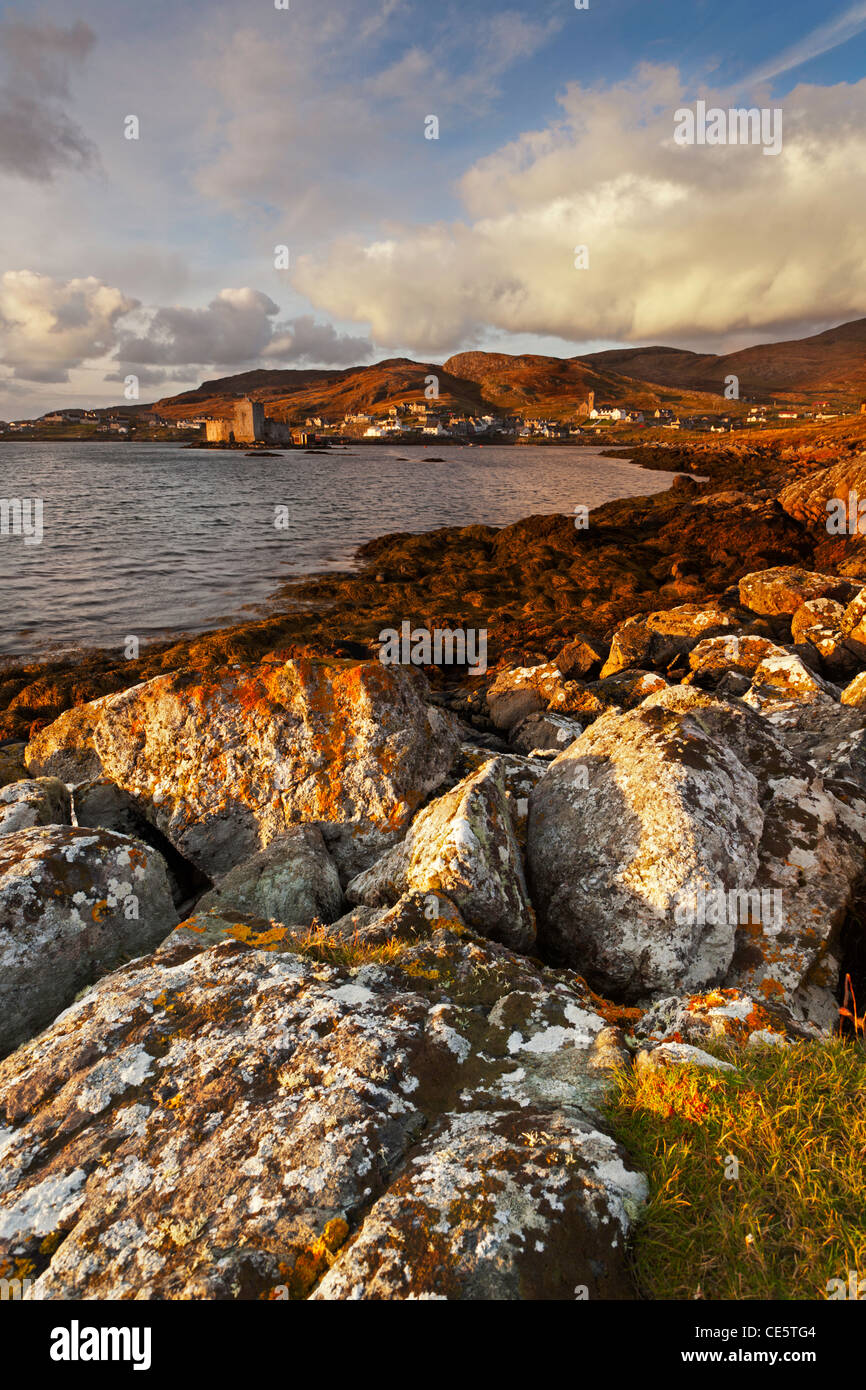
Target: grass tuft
[(794, 1215)]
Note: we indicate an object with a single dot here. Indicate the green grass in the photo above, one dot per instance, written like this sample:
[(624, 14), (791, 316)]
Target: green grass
[(795, 1217)]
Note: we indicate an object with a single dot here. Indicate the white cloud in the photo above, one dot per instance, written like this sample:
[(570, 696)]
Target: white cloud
[(48, 326), (686, 243), (822, 40)]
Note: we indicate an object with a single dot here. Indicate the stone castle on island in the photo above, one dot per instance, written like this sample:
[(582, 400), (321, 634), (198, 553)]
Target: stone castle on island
[(248, 424)]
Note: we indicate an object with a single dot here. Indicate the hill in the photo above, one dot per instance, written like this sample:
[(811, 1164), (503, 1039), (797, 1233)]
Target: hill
[(829, 365), (475, 382)]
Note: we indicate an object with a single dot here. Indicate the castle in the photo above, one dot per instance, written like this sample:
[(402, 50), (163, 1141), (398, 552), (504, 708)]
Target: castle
[(248, 424)]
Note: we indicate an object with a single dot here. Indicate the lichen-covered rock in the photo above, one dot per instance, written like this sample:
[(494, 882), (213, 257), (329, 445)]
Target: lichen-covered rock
[(680, 845), (622, 691), (224, 763), (463, 845), (656, 639), (677, 1054), (787, 588), (855, 692), (783, 680), (521, 691), (819, 622), (510, 1206), (294, 880), (722, 1015), (40, 801), (220, 1123), (853, 626), (73, 904), (545, 730), (740, 652)]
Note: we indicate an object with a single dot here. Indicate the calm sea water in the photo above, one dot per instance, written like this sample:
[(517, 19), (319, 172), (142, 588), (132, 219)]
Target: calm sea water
[(154, 539)]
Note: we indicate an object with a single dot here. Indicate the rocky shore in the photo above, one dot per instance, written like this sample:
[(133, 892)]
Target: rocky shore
[(314, 971)]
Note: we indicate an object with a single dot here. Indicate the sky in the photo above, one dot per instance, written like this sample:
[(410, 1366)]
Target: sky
[(284, 206)]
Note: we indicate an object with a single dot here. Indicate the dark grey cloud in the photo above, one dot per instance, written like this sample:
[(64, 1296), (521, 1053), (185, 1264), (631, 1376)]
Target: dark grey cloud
[(237, 328), (38, 137)]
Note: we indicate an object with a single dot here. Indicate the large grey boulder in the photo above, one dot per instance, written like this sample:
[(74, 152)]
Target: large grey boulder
[(223, 1123), (464, 846), (292, 881), (37, 801), (74, 903), (653, 838), (224, 762)]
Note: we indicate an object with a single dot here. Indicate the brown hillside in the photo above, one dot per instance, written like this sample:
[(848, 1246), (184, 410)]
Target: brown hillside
[(831, 365)]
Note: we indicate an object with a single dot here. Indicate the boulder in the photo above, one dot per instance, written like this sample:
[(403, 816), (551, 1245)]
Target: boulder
[(545, 730), (740, 652), (853, 626), (294, 880), (582, 656), (12, 767), (41, 801), (681, 844), (810, 499), (521, 691), (621, 691), (223, 1122), (787, 587), (723, 1015), (464, 846), (677, 1054), (819, 623), (855, 692), (223, 763), (509, 1206), (783, 680), (657, 639), (73, 904)]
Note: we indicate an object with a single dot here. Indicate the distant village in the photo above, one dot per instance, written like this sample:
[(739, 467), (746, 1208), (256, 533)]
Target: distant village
[(406, 422)]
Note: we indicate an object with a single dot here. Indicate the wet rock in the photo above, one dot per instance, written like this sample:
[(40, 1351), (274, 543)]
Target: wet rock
[(788, 587), (42, 801), (656, 639), (225, 762), (545, 730), (224, 1122), (653, 838), (73, 904), (294, 880), (463, 845)]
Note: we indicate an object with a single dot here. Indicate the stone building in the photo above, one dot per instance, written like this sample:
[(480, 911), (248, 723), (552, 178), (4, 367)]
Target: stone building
[(245, 426)]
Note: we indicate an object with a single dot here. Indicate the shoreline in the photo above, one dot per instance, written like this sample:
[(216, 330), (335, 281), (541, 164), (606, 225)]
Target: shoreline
[(532, 585), (82, 652)]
